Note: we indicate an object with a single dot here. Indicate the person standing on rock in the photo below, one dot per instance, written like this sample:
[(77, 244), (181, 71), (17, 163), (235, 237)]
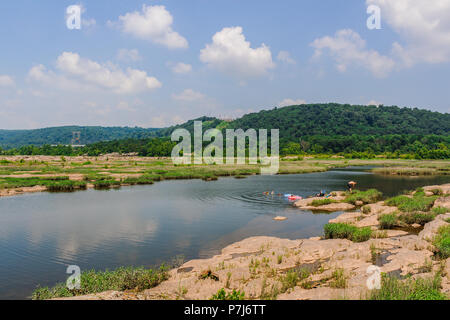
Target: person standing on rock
[(351, 185)]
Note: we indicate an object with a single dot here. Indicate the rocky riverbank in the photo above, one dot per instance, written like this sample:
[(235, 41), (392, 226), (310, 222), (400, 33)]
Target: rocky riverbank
[(315, 268)]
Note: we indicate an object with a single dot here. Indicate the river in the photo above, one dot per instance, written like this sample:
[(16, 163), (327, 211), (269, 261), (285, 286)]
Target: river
[(41, 234)]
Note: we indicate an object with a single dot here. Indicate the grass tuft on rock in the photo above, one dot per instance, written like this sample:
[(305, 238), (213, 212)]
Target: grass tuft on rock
[(369, 196), (347, 231), (442, 242), (410, 289)]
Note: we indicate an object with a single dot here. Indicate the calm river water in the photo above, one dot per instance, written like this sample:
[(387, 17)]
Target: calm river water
[(41, 234)]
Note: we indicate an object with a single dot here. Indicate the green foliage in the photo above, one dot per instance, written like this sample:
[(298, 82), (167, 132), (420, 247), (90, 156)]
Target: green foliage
[(442, 242), (440, 210), (234, 295), (419, 289), (322, 202), (97, 281), (339, 279), (417, 217), (388, 221), (352, 131), (369, 196), (347, 231), (417, 203)]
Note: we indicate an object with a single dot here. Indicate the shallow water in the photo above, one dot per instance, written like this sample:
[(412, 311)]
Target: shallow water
[(41, 234)]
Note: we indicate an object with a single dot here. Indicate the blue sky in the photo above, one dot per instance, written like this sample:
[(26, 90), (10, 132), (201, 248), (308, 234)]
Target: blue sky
[(157, 63)]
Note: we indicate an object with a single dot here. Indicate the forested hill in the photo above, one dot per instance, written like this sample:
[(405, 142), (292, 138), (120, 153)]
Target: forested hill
[(64, 135), (325, 127), (336, 119)]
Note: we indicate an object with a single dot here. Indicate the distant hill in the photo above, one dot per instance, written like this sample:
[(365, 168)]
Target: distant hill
[(63, 135), (310, 128), (332, 119)]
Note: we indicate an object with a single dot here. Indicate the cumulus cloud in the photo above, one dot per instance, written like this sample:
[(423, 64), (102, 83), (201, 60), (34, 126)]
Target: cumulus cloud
[(229, 52), (128, 55), (348, 49), (181, 68), (6, 81), (425, 28), (153, 23), (374, 103), (291, 102), (285, 56), (188, 95), (75, 72)]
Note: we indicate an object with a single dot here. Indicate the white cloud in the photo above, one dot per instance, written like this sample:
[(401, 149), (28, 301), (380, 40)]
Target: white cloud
[(76, 72), (181, 68), (6, 81), (188, 95), (128, 55), (374, 103), (424, 26), (291, 102), (347, 48), (88, 23), (154, 24), (285, 56), (229, 52)]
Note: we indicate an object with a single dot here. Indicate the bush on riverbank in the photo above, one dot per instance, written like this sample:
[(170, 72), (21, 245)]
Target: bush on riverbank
[(347, 231), (105, 184), (121, 279), (66, 186)]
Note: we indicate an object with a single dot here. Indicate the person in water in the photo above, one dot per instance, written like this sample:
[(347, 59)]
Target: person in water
[(321, 194), (351, 185)]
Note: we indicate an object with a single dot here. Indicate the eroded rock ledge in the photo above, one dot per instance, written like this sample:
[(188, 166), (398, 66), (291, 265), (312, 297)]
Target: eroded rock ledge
[(331, 269)]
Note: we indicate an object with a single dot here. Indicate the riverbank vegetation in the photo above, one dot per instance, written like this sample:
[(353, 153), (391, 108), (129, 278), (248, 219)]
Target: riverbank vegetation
[(122, 279), (66, 173), (347, 231), (393, 288)]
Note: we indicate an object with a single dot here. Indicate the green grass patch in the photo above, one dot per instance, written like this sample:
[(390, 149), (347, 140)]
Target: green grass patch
[(143, 180), (347, 231), (234, 295), (369, 196), (105, 184), (98, 281), (440, 210), (417, 203), (388, 221), (417, 217), (410, 289), (322, 202), (442, 242)]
